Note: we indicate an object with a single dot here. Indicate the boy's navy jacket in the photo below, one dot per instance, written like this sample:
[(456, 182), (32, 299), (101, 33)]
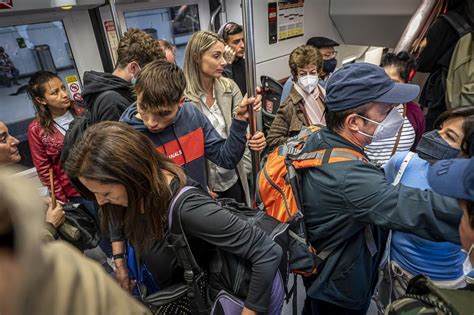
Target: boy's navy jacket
[(191, 139)]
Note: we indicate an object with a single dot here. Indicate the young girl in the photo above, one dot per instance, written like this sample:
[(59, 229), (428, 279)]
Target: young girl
[(54, 112)]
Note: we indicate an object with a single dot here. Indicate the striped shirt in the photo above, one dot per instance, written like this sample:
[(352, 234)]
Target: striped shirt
[(380, 152)]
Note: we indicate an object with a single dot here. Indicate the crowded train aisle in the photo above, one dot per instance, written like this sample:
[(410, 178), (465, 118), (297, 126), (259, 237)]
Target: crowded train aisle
[(363, 202)]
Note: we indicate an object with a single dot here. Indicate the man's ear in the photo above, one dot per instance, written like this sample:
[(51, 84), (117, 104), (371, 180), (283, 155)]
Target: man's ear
[(352, 121), (133, 67)]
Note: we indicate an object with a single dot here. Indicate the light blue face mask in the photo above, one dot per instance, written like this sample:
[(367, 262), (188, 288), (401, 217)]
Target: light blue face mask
[(134, 78)]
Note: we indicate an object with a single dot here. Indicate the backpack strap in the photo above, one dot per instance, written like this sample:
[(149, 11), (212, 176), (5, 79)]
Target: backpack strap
[(458, 22), (316, 159), (178, 241), (325, 156)]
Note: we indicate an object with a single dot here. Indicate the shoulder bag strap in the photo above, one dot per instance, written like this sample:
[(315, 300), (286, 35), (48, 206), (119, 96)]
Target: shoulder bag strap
[(178, 241), (399, 135)]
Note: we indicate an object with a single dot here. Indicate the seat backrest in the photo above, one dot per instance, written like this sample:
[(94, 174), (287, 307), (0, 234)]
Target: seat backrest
[(271, 97)]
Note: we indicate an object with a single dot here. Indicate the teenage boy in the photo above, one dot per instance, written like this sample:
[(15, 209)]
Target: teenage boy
[(181, 131)]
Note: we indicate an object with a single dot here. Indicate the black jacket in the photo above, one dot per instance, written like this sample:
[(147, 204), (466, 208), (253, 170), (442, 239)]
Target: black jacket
[(207, 225), (236, 72), (343, 200), (104, 105)]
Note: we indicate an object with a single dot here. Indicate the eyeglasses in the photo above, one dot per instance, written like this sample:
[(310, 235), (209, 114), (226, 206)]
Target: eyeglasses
[(329, 55)]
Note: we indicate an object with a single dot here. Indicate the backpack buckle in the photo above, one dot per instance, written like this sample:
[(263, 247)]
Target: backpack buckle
[(189, 278)]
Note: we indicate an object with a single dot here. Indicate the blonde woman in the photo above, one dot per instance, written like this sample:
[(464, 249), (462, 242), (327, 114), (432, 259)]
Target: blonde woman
[(217, 97)]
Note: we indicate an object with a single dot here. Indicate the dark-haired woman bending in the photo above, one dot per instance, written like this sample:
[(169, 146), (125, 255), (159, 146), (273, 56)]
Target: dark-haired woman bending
[(120, 169)]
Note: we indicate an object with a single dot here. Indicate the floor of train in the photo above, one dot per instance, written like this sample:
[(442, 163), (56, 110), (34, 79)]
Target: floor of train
[(99, 256)]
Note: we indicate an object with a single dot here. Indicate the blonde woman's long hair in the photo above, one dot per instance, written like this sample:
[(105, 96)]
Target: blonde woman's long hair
[(199, 43)]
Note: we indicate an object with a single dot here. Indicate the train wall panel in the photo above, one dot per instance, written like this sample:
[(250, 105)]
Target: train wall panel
[(79, 32)]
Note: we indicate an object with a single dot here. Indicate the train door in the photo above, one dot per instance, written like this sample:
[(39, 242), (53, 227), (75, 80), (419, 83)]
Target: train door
[(173, 21)]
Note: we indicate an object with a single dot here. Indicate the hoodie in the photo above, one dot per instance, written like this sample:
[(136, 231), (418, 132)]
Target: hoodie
[(49, 278), (191, 139), (106, 95)]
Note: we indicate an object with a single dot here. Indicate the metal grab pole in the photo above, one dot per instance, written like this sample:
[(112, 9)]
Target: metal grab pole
[(415, 25), (118, 28), (247, 15)]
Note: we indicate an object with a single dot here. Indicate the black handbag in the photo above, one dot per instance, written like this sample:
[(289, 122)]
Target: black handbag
[(80, 228)]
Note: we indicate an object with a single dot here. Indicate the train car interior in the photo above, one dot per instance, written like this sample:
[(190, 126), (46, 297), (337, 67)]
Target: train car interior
[(70, 37)]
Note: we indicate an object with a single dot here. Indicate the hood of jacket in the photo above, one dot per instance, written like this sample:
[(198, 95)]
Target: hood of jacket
[(97, 82), (129, 117)]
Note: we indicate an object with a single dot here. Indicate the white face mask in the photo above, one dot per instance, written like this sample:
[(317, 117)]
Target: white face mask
[(387, 128), (308, 82)]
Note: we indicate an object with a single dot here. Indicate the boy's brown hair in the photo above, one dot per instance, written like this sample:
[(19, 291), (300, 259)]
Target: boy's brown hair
[(160, 85), (138, 46)]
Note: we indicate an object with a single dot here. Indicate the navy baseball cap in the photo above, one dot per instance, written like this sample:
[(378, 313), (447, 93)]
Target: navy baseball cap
[(453, 178), (357, 84)]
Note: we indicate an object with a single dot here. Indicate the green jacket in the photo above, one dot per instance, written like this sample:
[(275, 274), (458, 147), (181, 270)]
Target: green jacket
[(350, 206), (423, 297)]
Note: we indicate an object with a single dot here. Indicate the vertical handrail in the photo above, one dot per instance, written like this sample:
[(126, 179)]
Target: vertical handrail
[(118, 27), (416, 25), (247, 15)]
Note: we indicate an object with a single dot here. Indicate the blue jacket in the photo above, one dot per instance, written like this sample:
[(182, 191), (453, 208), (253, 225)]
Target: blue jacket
[(440, 261), (191, 139), (350, 205)]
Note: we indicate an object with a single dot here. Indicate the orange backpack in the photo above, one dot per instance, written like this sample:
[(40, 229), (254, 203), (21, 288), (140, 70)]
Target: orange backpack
[(279, 192)]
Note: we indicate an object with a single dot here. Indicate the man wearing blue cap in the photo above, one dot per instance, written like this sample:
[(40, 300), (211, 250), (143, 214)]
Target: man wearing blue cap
[(453, 178), (349, 206)]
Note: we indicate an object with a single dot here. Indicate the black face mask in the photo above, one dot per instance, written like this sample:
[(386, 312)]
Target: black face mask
[(329, 65), (432, 147)]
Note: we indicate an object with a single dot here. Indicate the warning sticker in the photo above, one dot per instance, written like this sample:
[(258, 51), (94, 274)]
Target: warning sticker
[(77, 97), (74, 88)]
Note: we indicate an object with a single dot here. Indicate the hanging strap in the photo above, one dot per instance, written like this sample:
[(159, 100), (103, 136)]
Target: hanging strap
[(178, 241)]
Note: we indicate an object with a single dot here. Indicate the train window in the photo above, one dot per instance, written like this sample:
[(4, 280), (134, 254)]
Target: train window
[(24, 50), (174, 24)]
